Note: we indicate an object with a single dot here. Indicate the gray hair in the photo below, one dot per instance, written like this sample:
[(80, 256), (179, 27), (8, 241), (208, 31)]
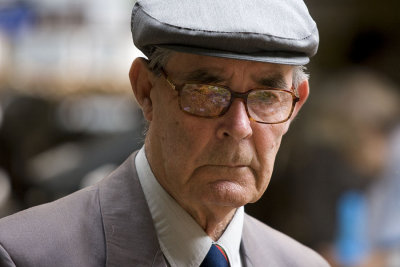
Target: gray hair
[(160, 57)]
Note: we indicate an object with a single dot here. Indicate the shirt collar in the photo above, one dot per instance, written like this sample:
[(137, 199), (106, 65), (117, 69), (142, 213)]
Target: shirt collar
[(182, 241)]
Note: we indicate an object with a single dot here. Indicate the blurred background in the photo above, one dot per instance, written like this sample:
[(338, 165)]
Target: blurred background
[(68, 118)]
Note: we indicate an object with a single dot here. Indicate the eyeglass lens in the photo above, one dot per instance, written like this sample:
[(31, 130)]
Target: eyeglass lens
[(268, 106)]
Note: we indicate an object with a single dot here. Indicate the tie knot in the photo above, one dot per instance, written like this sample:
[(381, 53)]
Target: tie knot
[(216, 257)]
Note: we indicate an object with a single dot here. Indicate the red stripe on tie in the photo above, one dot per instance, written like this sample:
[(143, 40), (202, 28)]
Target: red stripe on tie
[(222, 251)]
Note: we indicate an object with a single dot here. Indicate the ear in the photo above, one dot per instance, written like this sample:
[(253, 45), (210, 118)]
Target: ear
[(141, 82), (303, 91)]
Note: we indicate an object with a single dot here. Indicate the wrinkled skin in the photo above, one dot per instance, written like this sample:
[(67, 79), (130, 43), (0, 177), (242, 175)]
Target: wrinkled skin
[(210, 166)]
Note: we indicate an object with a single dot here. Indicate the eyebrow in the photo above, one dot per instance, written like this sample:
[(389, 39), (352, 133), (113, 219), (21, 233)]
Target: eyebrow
[(202, 76), (275, 80)]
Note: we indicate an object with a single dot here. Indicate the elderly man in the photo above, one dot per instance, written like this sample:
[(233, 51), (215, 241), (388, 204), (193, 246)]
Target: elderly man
[(223, 81)]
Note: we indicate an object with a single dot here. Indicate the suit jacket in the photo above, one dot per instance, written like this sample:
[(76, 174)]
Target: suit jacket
[(109, 224)]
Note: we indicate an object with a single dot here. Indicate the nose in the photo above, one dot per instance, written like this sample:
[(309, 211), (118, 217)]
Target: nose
[(235, 122)]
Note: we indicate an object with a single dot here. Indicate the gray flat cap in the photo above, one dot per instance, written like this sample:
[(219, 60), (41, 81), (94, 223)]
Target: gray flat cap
[(275, 31)]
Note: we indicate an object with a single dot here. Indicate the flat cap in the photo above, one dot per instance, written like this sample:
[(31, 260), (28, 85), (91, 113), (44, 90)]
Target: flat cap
[(275, 31)]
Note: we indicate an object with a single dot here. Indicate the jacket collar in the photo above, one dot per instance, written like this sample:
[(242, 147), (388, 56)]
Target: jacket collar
[(129, 231), (258, 251), (245, 247)]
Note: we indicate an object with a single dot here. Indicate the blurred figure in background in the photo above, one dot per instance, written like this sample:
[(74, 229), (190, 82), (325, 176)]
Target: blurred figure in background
[(359, 111), (384, 206)]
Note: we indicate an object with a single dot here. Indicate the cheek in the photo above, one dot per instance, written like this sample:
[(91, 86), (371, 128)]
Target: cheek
[(166, 119), (267, 142), (183, 140)]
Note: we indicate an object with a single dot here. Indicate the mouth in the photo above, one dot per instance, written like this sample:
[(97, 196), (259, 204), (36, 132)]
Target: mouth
[(229, 165), (235, 170), (226, 175)]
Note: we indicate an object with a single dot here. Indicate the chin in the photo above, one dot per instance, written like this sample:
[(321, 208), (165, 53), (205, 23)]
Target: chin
[(227, 194)]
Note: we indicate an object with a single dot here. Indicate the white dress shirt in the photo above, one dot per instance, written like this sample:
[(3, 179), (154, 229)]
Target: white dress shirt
[(182, 241)]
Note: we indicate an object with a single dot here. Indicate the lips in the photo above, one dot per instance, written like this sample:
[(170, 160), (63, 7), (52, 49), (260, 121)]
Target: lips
[(230, 165), (225, 168)]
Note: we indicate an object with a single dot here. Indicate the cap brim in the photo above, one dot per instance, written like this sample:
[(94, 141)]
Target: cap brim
[(296, 59)]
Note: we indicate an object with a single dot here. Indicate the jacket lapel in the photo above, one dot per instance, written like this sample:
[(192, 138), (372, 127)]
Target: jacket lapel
[(253, 252), (246, 245), (130, 235)]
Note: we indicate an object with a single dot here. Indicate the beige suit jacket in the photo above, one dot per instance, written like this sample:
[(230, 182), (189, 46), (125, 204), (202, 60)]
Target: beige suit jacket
[(109, 224)]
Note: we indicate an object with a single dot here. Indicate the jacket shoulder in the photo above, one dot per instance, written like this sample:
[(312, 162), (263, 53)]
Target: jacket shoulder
[(276, 248), (64, 231)]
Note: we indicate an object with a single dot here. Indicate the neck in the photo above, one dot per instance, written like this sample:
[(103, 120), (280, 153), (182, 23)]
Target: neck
[(213, 221)]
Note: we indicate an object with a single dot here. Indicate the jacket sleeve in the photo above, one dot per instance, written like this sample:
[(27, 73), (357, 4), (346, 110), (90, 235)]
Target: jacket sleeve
[(5, 259)]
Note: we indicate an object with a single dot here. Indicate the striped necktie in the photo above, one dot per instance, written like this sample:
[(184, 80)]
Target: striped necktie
[(216, 257)]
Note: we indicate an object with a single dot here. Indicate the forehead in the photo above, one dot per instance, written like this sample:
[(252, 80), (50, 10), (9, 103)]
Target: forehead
[(183, 64)]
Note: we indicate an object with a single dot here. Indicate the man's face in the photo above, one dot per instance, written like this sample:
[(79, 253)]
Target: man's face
[(225, 161)]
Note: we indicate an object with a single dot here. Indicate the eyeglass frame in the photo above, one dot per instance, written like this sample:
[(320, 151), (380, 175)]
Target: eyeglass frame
[(234, 95)]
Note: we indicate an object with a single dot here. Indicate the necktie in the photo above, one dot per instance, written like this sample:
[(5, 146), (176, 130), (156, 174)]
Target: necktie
[(216, 257)]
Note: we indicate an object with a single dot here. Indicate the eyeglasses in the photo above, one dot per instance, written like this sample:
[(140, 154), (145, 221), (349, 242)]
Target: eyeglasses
[(263, 105)]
